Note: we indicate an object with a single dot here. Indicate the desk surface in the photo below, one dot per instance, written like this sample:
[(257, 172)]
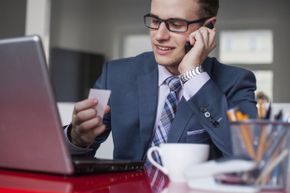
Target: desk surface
[(123, 182)]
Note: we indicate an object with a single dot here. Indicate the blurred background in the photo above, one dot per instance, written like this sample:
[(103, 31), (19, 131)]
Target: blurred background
[(80, 35)]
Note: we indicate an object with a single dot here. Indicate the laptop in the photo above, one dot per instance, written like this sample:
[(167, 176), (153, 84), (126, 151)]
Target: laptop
[(31, 134)]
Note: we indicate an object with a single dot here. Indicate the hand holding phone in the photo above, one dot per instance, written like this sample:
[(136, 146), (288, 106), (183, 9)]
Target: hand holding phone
[(203, 42), (188, 46)]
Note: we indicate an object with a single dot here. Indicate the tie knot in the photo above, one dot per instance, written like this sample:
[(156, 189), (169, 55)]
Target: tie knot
[(174, 83)]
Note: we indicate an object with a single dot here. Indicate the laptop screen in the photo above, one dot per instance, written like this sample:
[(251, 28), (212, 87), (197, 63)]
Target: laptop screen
[(32, 137), (31, 133)]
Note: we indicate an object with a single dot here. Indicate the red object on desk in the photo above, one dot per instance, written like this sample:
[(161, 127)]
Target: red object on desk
[(25, 182), (12, 181)]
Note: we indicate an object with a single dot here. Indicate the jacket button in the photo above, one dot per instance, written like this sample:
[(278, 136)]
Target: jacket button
[(203, 109), (207, 114)]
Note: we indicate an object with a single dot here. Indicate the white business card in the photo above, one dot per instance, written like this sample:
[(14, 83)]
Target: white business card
[(102, 97)]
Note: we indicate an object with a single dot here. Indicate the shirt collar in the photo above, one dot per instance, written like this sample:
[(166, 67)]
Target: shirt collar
[(163, 74)]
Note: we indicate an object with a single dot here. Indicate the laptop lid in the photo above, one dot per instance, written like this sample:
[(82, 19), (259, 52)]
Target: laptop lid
[(31, 136)]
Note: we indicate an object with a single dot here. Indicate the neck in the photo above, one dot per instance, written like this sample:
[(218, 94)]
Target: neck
[(173, 70)]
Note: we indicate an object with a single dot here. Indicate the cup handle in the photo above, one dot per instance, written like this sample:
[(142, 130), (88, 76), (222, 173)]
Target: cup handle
[(152, 160)]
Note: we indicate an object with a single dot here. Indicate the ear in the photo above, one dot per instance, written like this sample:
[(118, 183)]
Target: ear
[(212, 20)]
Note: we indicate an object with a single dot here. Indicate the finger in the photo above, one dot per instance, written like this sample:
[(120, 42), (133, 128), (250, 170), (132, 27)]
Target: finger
[(212, 38), (85, 104), (206, 34), (85, 115), (200, 39), (192, 41), (74, 120), (99, 130), (90, 124), (107, 109), (191, 38), (209, 37)]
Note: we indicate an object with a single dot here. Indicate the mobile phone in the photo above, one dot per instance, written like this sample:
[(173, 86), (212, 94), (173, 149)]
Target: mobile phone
[(209, 25), (188, 46)]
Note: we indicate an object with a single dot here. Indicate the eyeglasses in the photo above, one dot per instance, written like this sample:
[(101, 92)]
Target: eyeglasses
[(172, 24)]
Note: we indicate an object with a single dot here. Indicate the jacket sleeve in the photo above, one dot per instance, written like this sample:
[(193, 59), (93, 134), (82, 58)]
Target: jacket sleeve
[(211, 103)]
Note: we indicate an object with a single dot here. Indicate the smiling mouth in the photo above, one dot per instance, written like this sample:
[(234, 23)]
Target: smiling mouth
[(164, 48)]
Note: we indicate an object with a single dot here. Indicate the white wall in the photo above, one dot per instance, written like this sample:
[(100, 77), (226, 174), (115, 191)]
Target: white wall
[(38, 21)]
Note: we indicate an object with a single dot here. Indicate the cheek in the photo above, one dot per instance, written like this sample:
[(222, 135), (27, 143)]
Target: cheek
[(152, 36), (180, 41), (193, 27)]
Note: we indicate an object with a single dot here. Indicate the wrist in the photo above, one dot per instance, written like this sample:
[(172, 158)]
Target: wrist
[(185, 68), (189, 74), (76, 139)]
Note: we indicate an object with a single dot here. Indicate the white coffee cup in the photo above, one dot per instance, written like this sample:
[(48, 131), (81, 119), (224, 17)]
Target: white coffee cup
[(177, 157)]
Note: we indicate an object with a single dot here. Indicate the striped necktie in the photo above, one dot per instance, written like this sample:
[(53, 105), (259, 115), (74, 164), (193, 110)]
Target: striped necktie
[(164, 124), (168, 112)]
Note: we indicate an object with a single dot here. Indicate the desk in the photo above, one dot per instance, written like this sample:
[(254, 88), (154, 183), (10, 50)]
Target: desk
[(124, 182), (24, 182)]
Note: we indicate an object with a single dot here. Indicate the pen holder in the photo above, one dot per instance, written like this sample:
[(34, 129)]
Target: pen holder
[(267, 143)]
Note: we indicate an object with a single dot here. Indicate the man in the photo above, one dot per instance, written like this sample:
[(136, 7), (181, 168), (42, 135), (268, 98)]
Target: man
[(139, 89)]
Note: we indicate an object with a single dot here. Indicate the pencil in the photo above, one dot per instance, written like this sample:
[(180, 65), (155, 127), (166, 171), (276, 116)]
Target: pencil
[(246, 135), (231, 114)]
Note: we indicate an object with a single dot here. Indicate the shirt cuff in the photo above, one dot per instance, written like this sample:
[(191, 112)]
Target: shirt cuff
[(193, 85), (74, 150)]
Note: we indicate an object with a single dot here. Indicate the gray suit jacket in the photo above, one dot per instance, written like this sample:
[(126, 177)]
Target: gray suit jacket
[(202, 119)]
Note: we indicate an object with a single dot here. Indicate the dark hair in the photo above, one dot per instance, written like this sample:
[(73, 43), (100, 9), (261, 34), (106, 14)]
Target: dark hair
[(209, 8)]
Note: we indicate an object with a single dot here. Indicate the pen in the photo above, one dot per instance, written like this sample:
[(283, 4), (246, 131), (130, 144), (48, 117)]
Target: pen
[(269, 167)]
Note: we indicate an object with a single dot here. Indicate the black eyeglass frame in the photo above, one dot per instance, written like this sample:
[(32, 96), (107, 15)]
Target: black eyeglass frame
[(201, 20)]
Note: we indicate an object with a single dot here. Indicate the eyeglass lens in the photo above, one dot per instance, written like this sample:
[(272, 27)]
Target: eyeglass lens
[(175, 25)]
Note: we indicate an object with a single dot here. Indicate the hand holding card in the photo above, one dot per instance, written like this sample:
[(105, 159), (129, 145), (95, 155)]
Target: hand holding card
[(102, 97)]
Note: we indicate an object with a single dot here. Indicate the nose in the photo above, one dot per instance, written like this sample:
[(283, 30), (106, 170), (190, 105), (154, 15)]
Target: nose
[(162, 32)]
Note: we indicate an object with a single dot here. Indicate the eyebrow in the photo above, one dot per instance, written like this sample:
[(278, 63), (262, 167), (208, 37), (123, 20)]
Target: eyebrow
[(166, 19)]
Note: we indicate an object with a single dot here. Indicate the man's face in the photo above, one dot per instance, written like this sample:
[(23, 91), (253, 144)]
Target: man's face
[(168, 47)]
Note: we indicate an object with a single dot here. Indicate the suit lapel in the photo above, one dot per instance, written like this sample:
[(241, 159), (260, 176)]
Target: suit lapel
[(180, 122), (148, 97)]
